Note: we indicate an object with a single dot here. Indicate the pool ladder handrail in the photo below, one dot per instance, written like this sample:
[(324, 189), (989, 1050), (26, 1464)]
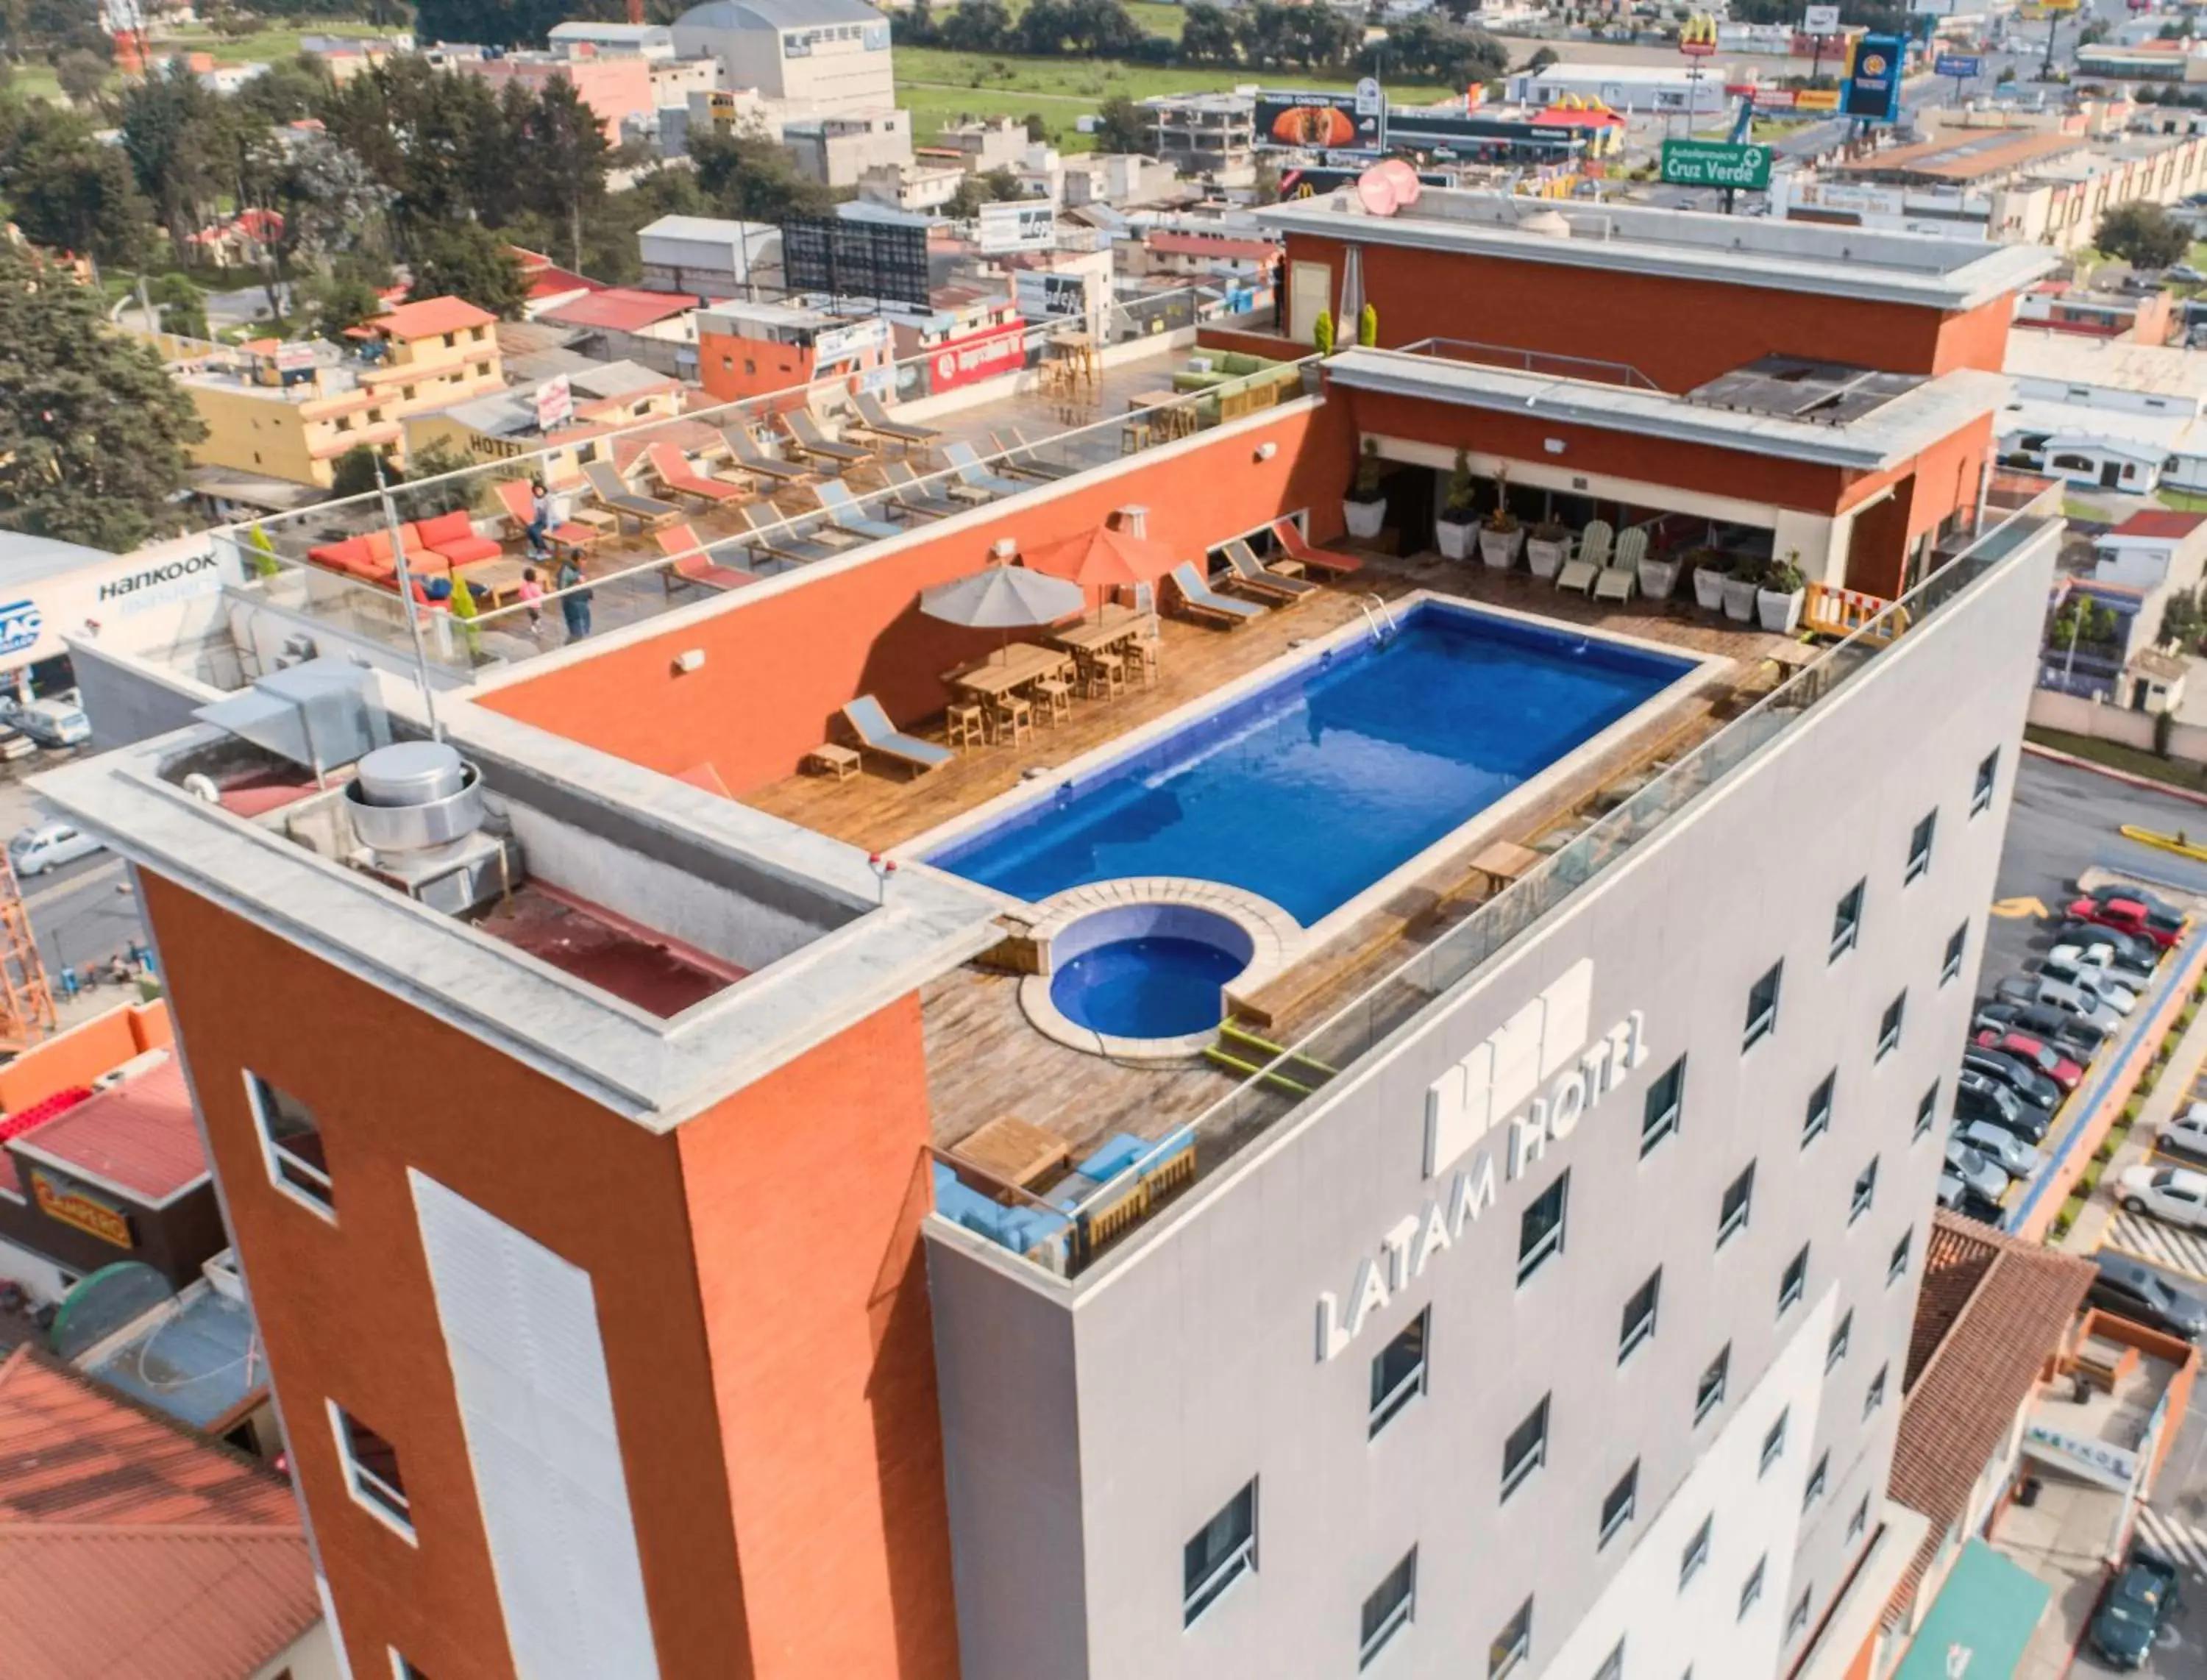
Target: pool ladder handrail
[(1381, 623)]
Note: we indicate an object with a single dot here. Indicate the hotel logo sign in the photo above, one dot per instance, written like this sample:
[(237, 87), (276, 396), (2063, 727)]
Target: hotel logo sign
[(1525, 1086), (73, 1207)]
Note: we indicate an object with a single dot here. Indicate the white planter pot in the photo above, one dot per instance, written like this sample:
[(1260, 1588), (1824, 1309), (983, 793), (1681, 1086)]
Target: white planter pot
[(1778, 612), (1546, 558), (1739, 599), (1708, 590), (1454, 540), (1499, 548), (1657, 578), (1364, 518)]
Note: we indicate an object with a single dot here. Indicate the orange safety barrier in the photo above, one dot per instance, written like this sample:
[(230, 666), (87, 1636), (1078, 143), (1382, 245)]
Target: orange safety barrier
[(1835, 612)]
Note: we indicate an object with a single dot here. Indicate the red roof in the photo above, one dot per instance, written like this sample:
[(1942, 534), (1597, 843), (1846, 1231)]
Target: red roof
[(621, 308), (129, 1546), (427, 317), (2160, 521), (549, 282), (1197, 245), (138, 1137)]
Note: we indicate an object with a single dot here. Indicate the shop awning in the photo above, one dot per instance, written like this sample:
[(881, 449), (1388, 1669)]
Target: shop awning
[(1982, 1621)]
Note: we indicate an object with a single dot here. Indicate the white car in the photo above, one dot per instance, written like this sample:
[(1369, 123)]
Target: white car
[(47, 845), (2092, 982), (2176, 1194), (2187, 1131), (50, 723)]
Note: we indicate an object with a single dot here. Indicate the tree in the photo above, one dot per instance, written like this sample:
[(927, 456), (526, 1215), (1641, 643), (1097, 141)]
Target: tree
[(353, 472), (346, 297), (182, 305), (92, 430), (1120, 126), (468, 260), (565, 145), (748, 175), (2143, 234), (69, 191), (177, 137), (1038, 129), (1541, 61), (82, 75), (2182, 621), (978, 25), (1207, 37)]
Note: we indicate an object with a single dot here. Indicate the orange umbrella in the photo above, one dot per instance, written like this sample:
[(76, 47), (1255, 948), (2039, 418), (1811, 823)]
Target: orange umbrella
[(1104, 558)]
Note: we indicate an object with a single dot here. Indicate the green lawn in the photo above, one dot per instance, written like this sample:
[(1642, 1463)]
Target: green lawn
[(1158, 18), (271, 42), (2130, 760), (2182, 500), (933, 109)]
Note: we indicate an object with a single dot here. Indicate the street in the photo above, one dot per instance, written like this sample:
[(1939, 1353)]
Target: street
[(81, 913)]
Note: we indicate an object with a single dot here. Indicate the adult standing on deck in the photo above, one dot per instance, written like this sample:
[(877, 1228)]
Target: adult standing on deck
[(574, 598)]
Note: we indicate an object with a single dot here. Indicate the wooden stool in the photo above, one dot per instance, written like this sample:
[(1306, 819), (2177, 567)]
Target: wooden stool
[(1014, 718), (1057, 696), (830, 760), (1145, 654), (1106, 675), (964, 726)]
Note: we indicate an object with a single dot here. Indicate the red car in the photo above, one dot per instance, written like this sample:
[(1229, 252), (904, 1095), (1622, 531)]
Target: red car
[(2130, 916), (2034, 1053)]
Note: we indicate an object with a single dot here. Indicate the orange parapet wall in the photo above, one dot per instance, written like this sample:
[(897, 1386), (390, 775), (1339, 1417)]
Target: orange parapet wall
[(780, 661), (82, 1054)]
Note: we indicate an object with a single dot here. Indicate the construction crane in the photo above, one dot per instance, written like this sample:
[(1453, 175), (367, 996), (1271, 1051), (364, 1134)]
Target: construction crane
[(27, 1001)]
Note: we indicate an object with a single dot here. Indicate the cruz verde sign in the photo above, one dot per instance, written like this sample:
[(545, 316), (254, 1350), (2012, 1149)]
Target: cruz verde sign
[(1709, 162)]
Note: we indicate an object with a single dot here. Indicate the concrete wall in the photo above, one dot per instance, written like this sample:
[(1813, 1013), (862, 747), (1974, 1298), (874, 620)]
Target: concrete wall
[(1194, 1366), (2075, 714)]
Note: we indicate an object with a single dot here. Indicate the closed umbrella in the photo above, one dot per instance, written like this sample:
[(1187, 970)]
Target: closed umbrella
[(1003, 597)]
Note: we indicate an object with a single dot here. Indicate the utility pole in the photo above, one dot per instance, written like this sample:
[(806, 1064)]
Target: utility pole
[(2045, 70)]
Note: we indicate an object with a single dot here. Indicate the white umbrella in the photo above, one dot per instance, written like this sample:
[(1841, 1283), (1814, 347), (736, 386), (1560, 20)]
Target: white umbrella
[(1003, 597)]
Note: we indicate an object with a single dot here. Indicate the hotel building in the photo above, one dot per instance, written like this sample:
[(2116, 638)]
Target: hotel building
[(696, 1234)]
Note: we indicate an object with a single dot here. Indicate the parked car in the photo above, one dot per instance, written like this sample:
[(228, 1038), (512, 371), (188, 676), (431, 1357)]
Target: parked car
[(2132, 1289), (2132, 961), (47, 845), (2027, 1084), (1958, 1198), (2130, 916), (2176, 1194), (2034, 1053), (2137, 1601), (2187, 1133), (2183, 274), (2001, 1147), (2096, 984), (1980, 1175), (50, 723), (2077, 1001), (2145, 895), (1979, 1097), (2073, 1035)]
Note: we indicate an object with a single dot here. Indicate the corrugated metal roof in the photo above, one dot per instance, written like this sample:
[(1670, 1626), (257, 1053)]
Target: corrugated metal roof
[(426, 317), (621, 308), (139, 1137)]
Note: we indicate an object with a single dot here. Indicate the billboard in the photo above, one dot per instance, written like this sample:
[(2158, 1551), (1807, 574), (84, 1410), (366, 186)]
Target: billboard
[(555, 403), (1958, 65), (1869, 87), (1306, 183), (1821, 20), (1333, 121), (981, 356), (832, 345), (881, 260), (1708, 163), (1042, 295), (1816, 99), (1017, 226)]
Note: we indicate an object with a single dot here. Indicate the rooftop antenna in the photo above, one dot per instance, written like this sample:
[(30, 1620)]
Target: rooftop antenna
[(406, 594)]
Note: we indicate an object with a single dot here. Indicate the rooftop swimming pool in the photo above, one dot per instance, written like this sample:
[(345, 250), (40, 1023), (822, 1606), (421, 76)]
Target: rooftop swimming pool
[(1327, 776)]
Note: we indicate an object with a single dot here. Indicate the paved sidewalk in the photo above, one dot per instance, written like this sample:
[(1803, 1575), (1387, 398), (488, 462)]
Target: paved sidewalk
[(2172, 1091)]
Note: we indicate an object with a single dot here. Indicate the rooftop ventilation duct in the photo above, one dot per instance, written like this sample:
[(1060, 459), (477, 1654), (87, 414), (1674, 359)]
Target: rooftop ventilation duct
[(417, 806), (315, 714)]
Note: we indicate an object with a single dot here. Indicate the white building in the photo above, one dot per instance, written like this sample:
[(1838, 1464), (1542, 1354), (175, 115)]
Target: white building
[(812, 57), (1626, 87), (711, 255), (2111, 413), (645, 40)]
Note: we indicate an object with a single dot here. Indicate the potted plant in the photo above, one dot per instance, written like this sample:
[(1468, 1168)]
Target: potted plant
[(1711, 567), (1779, 594), (1548, 547), (1501, 536), (1739, 585), (1659, 577), (1366, 512), (1458, 521)]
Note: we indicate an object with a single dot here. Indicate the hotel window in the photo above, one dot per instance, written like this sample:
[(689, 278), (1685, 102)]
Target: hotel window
[(1750, 1591), (1733, 1211), (1798, 1623), (1927, 1109), (1709, 1391), (1846, 920), (1858, 1522), (291, 1144), (1875, 1396), (1541, 1228), (1527, 1448), (1817, 1477), (1842, 1338), (1773, 1443), (1981, 796), (1666, 1104), (1639, 1323), (1818, 1120), (1223, 1549), (1762, 1008), (1613, 1665), (1888, 1030), (371, 1468), (1513, 1645), (1389, 1608), (1919, 848), (1956, 943), (1864, 1193), (1897, 1267), (1617, 1507), (1695, 1554), (1398, 1373), (1795, 1283)]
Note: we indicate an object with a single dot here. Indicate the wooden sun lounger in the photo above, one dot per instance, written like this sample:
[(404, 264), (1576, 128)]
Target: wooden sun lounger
[(1019, 457), (1289, 537), (844, 512), (744, 449), (975, 475), (813, 443), (567, 534), (787, 544), (693, 561), (908, 490), (874, 733), (676, 473), (1250, 573), (875, 419), (611, 492), (1198, 598)]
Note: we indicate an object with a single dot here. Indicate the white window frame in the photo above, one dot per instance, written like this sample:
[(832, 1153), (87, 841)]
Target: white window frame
[(279, 1161), (1790, 1293), (1392, 1404), (1845, 939), (1242, 1560), (1958, 946), (1981, 795), (1919, 862), (1515, 1476), (388, 1505), (1774, 1442), (1822, 1101), (1888, 1037), (1864, 1193), (1842, 1339), (1750, 1591), (1397, 1618), (1697, 1553), (1819, 1478), (1619, 1519)]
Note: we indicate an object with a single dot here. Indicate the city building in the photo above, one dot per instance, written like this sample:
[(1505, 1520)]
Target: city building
[(634, 323), (837, 149), (2110, 412), (711, 255), (807, 58), (755, 350), (57, 589), (1202, 256), (767, 1282), (617, 88), (646, 40), (2113, 612), (920, 188), (509, 425), (1205, 134), (985, 143), (1632, 88)]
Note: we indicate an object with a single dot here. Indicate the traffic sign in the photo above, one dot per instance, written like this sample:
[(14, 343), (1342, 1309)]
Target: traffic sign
[(1708, 163), (1957, 65)]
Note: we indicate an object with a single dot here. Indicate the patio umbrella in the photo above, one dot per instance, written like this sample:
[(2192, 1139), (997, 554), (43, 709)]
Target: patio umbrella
[(1105, 557), (1002, 597)]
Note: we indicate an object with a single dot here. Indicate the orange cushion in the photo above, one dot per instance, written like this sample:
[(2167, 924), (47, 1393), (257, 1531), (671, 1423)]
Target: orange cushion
[(446, 527)]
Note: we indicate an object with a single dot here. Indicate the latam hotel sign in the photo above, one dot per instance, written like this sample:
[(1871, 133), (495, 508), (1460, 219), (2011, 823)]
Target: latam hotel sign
[(1495, 1113)]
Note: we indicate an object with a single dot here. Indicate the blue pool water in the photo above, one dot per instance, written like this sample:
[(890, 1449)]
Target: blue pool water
[(1314, 786), (1154, 988)]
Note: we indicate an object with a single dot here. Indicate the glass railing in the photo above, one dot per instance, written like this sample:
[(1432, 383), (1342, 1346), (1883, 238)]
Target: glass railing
[(1059, 1234), (1524, 361)]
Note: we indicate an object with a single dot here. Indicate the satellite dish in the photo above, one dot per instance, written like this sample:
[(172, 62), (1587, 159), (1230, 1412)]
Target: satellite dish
[(1376, 191), (1403, 179)]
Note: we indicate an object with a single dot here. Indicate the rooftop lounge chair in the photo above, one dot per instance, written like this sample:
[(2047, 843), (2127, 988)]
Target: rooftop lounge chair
[(876, 735), (972, 473), (844, 512), (909, 491), (691, 560), (1620, 578), (786, 541), (1198, 599), (875, 419), (1579, 573), (1289, 537), (815, 444), (1250, 573), (611, 492), (676, 473), (1019, 457), (745, 451), (513, 494)]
